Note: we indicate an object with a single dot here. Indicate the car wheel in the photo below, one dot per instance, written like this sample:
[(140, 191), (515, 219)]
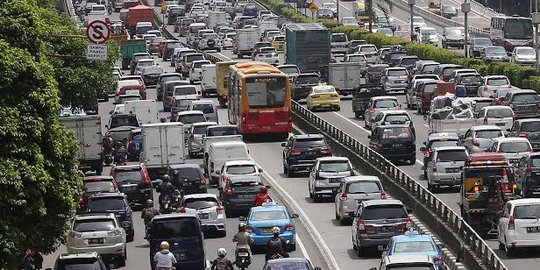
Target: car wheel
[(357, 115), (290, 173), (501, 246), (121, 262), (412, 160), (292, 247), (337, 216), (360, 251), (510, 251)]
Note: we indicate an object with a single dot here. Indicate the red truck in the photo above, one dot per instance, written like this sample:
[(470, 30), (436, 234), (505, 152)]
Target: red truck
[(138, 14)]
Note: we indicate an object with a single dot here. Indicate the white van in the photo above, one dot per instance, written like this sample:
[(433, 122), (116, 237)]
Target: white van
[(221, 152), (146, 110), (208, 82)]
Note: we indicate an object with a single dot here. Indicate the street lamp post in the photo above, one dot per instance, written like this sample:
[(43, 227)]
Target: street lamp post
[(536, 22), (337, 12), (466, 8), (411, 5)]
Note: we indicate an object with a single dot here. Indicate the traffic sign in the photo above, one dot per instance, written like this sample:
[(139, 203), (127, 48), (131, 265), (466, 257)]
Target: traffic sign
[(313, 7), (98, 31), (96, 52)]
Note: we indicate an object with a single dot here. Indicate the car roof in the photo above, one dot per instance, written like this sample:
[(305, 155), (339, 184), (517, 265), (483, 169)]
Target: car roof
[(442, 135), (286, 260), (174, 216), (185, 165), (127, 167), (520, 91), (333, 158), (108, 195), (407, 259), (190, 113), (200, 195), (493, 107), (308, 136), (200, 124), (525, 201), (511, 139), (203, 101), (384, 97), (396, 68), (385, 112), (409, 237), (239, 162), (98, 178), (225, 144), (361, 178), (527, 120), (393, 126), (449, 148), (85, 255), (89, 216), (485, 127), (381, 202)]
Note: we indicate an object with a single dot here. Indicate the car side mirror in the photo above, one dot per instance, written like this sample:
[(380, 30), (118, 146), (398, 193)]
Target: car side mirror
[(260, 170), (369, 137), (409, 211), (106, 126), (422, 148), (295, 216), (242, 218), (440, 246), (283, 144)]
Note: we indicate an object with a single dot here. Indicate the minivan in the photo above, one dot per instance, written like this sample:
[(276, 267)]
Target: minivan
[(142, 27), (221, 152), (184, 233)]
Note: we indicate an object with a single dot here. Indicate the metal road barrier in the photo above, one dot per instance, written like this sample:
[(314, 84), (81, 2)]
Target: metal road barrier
[(458, 236)]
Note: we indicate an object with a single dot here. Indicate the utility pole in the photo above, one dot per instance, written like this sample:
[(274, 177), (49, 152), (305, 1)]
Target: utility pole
[(466, 8), (536, 22), (411, 5), (337, 11)]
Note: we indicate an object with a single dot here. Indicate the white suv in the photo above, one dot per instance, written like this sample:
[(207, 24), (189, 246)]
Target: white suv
[(102, 233), (519, 226), (210, 211)]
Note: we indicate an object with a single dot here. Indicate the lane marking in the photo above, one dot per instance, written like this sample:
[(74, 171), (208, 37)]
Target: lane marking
[(303, 248)]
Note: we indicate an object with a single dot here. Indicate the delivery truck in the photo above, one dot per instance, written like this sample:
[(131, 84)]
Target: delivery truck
[(307, 45), (245, 41), (345, 77), (145, 110), (163, 146), (87, 129), (208, 81), (215, 17), (222, 72), (137, 14)]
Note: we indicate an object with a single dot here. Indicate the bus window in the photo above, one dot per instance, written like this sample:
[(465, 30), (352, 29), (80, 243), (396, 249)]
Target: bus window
[(266, 92)]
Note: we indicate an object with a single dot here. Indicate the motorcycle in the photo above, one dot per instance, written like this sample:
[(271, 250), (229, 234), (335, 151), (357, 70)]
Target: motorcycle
[(164, 205), (108, 159), (243, 259)]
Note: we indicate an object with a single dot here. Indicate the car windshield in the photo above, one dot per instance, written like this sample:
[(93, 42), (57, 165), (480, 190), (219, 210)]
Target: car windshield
[(429, 31), (289, 70), (205, 108), (397, 119), (527, 211), (385, 103), (99, 186), (175, 228), (397, 72), (189, 173), (448, 8), (526, 98), (195, 57), (525, 51), (268, 215), (454, 31), (200, 64), (171, 78), (339, 38), (309, 143), (288, 266), (497, 81), (530, 126), (500, 113), (183, 102), (128, 177), (408, 61), (471, 78), (414, 247), (411, 266), (241, 169), (146, 63), (334, 166), (106, 204), (375, 68), (451, 155), (514, 147), (307, 79), (495, 51), (368, 49), (384, 212), (200, 129), (78, 264), (191, 118), (172, 45), (93, 225), (124, 120), (482, 42), (488, 134), (357, 58), (396, 132), (182, 91), (200, 203), (363, 187), (436, 144), (429, 67), (222, 131)]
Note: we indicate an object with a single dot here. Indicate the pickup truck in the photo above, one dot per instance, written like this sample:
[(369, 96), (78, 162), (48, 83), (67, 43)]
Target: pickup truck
[(362, 94)]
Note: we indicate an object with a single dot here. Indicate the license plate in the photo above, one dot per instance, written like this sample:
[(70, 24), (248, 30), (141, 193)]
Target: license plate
[(203, 215), (397, 145), (500, 124), (186, 184), (243, 254), (386, 229), (533, 229), (334, 180), (266, 230), (95, 241), (452, 170), (132, 92)]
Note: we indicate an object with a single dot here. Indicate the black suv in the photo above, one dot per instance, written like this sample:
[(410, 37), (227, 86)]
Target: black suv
[(188, 177), (88, 260), (134, 181), (524, 102), (528, 175), (528, 128), (302, 85), (394, 142), (301, 151), (238, 196), (117, 204)]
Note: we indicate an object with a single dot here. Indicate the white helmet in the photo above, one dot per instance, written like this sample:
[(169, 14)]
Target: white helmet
[(276, 230), (221, 252)]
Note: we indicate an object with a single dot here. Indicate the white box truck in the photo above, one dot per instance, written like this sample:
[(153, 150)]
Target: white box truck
[(145, 110), (215, 17), (163, 145), (87, 129), (345, 76), (208, 82), (245, 41)]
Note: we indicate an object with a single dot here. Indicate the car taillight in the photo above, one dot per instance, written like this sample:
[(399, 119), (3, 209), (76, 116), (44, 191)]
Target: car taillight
[(437, 260), (334, 95), (182, 210), (203, 181), (212, 166), (289, 227), (362, 227), (226, 179), (343, 196), (229, 191), (326, 150), (523, 135), (511, 223), (315, 96), (295, 151), (220, 209), (383, 195)]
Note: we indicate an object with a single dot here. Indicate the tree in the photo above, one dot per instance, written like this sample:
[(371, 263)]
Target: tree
[(384, 5)]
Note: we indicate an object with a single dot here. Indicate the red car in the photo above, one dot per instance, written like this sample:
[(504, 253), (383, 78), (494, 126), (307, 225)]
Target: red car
[(96, 184), (134, 181)]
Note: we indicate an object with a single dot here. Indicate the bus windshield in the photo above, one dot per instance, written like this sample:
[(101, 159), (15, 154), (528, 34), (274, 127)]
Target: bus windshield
[(518, 29), (266, 92)]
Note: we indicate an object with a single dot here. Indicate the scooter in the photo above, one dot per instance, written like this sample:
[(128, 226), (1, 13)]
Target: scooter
[(165, 205), (243, 259)]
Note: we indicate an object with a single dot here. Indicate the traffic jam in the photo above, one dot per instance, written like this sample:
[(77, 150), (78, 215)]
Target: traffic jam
[(169, 167)]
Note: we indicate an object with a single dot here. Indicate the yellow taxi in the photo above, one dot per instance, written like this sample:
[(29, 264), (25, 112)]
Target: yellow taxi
[(278, 42), (323, 96)]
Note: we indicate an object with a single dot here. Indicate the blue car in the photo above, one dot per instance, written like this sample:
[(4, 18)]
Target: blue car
[(262, 219), (134, 144), (413, 243), (117, 204)]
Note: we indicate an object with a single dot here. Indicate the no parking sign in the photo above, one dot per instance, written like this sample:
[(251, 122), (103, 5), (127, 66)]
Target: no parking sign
[(98, 31)]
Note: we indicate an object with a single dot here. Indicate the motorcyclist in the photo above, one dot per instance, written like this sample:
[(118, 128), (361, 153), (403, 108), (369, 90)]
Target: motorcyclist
[(164, 258), (149, 212), (222, 263), (262, 197), (107, 144), (120, 153), (242, 238), (276, 245), (33, 260), (165, 188)]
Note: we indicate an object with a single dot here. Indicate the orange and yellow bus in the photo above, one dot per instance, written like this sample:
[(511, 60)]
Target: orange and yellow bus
[(259, 99)]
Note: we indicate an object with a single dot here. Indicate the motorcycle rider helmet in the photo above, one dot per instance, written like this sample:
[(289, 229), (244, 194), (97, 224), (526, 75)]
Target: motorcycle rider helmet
[(221, 252), (166, 178), (275, 231), (264, 189), (241, 227), (149, 202)]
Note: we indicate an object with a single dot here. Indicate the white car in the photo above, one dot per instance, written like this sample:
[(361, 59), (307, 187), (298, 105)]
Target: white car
[(349, 21), (428, 35), (519, 226), (195, 72), (210, 211), (228, 40), (144, 63), (523, 55), (119, 109), (391, 117), (102, 233), (267, 55), (491, 84), (148, 38), (417, 22), (238, 169), (501, 116), (99, 10), (329, 5)]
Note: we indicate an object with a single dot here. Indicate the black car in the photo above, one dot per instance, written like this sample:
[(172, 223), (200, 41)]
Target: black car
[(448, 11), (524, 102), (188, 177), (134, 181), (394, 142), (301, 151), (184, 233), (470, 81), (302, 85), (117, 204), (527, 174), (151, 74), (375, 72), (88, 260), (239, 196), (528, 128)]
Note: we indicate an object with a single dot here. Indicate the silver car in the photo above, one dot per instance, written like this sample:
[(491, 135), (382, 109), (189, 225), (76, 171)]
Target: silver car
[(208, 107), (195, 140), (512, 148), (444, 169), (102, 233), (353, 190), (325, 177), (377, 104), (395, 79), (479, 138), (189, 118), (211, 212)]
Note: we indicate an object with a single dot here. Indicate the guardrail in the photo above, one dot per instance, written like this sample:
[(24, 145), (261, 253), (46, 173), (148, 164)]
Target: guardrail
[(459, 237)]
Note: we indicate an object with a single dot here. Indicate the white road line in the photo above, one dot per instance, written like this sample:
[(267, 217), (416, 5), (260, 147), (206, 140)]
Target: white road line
[(303, 248), (305, 217)]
